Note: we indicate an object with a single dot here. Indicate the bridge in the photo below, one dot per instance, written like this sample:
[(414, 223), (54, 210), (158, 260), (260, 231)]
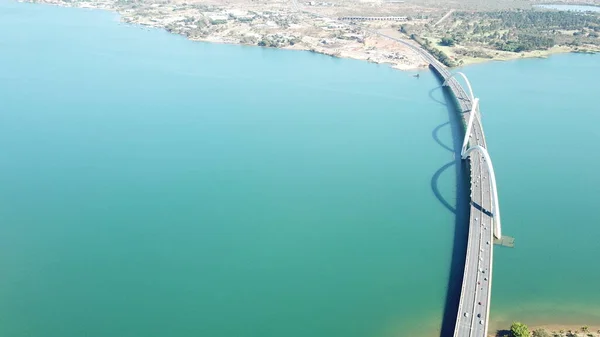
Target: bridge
[(373, 18), (484, 223), (473, 313)]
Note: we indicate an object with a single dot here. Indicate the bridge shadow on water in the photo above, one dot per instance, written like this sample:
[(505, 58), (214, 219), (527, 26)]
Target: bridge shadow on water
[(460, 208)]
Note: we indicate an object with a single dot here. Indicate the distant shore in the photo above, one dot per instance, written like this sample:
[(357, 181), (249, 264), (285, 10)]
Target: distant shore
[(527, 55), (316, 34), (357, 55), (559, 330), (274, 26)]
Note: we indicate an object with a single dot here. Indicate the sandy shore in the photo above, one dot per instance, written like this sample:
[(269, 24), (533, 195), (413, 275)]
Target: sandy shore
[(560, 330), (592, 329), (277, 26), (516, 56), (268, 24)]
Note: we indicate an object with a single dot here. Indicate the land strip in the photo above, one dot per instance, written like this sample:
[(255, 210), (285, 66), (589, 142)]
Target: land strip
[(455, 36)]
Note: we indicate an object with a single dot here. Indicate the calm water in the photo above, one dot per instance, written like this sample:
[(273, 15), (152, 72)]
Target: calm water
[(575, 8), (542, 125), (152, 186)]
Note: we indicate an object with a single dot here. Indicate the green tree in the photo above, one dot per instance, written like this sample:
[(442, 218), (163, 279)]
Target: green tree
[(518, 329), (585, 328), (447, 41)]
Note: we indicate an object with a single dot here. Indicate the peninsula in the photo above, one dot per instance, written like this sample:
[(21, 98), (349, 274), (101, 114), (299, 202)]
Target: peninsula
[(455, 33)]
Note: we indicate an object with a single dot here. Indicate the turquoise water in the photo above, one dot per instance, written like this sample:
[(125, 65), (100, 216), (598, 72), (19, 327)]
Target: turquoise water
[(541, 121), (576, 8), (152, 186)]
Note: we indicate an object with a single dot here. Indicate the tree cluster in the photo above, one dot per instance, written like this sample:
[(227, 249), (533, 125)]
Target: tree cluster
[(525, 42), (520, 30), (447, 41), (541, 20), (438, 54)]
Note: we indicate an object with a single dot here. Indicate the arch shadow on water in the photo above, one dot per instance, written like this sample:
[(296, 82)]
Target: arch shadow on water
[(460, 209), (435, 99), (437, 139)]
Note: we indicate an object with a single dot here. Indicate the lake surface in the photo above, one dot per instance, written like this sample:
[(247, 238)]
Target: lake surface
[(575, 8), (153, 186), (541, 122)]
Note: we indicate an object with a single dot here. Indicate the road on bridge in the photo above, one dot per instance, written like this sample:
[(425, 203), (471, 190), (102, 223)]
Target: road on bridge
[(473, 311)]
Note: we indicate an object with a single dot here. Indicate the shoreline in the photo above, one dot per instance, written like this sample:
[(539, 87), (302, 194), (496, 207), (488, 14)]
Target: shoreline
[(363, 47), (372, 48), (555, 329), (537, 54), (565, 327), (505, 56), (431, 327), (416, 65)]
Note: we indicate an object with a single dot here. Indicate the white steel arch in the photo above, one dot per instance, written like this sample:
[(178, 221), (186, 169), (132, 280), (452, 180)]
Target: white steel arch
[(474, 111), (490, 168), (471, 94)]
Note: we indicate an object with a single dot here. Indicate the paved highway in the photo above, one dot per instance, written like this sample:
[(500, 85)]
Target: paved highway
[(473, 311), (474, 306)]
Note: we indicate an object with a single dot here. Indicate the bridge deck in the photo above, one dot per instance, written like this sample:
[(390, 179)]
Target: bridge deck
[(473, 310)]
